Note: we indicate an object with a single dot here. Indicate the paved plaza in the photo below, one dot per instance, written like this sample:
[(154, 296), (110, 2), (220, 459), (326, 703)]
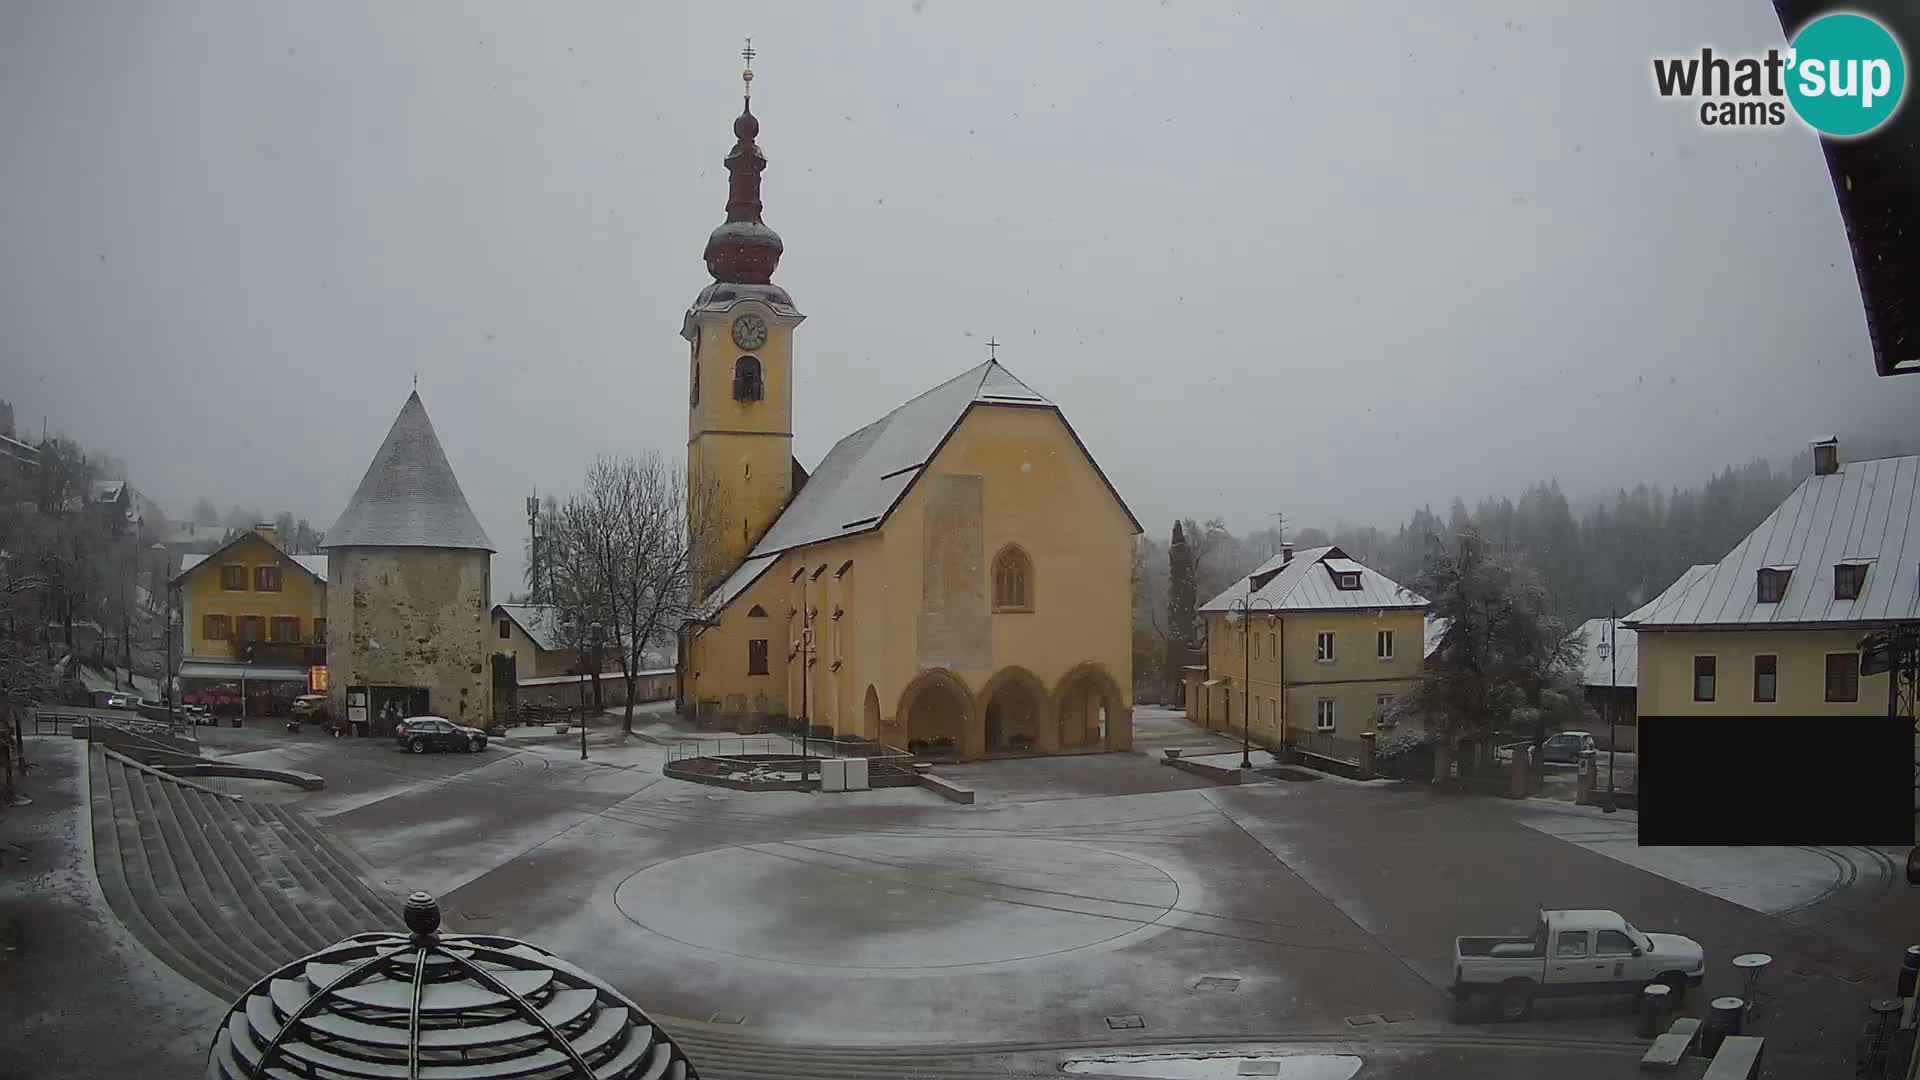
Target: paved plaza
[(1084, 906)]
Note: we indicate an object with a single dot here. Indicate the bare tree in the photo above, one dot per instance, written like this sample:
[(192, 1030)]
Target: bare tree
[(623, 553)]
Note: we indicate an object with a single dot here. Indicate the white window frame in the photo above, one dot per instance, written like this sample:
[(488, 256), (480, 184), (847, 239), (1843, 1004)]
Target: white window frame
[(1325, 714), (1383, 638), (1324, 650)]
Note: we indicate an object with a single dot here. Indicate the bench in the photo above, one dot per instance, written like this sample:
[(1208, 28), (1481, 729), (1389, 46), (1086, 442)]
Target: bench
[(1667, 1050), (946, 789), (1738, 1059)]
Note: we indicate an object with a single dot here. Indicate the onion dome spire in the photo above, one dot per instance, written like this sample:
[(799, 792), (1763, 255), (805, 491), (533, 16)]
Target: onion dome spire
[(744, 250)]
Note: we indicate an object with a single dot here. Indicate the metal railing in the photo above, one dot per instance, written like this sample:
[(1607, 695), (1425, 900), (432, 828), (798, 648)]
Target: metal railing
[(57, 721), (783, 748), (1325, 744)]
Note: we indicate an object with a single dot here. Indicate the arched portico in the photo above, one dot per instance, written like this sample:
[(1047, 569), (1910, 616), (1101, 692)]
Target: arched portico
[(870, 714), (937, 706), (1015, 712), (1090, 712)]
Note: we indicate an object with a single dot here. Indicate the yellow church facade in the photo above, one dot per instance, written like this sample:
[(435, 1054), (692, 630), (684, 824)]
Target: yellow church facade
[(953, 579)]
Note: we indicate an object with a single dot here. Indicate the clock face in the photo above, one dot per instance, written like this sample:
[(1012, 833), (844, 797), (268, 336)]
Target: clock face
[(749, 331)]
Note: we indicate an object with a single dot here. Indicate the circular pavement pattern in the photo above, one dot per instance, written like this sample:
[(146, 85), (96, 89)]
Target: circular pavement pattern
[(899, 902)]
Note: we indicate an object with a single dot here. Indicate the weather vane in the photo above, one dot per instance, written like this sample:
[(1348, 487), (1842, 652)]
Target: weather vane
[(993, 349), (746, 75)]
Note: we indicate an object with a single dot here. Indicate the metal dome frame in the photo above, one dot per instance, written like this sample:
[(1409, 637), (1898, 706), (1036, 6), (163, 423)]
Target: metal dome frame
[(524, 1013)]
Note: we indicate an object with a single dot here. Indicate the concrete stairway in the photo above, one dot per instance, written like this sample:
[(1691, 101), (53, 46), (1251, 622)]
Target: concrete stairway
[(221, 889)]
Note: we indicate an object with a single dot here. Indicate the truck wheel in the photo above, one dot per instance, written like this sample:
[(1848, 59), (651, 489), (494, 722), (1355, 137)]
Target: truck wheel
[(1514, 1001), (1676, 985)]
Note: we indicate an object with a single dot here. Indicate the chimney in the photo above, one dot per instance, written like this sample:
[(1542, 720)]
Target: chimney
[(1826, 456), (266, 531), (1286, 552)]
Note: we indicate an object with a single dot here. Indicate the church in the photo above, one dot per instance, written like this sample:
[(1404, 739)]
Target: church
[(954, 579)]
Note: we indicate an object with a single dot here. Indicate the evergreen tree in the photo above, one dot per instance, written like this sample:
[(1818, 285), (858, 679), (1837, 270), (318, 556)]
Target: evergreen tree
[(1182, 599), (1507, 665)]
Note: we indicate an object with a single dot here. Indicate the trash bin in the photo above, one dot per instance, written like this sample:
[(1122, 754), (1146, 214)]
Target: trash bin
[(1909, 971), (1723, 1019), (1654, 1001)]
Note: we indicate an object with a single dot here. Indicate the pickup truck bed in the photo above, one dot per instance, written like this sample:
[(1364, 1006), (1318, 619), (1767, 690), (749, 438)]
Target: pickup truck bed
[(1499, 947)]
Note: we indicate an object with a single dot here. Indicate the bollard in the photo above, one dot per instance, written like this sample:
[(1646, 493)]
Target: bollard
[(1653, 1010), (1909, 971), (1723, 1019)]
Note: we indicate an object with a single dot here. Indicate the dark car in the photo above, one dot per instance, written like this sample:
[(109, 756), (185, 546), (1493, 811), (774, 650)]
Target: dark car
[(420, 734), (1566, 746)]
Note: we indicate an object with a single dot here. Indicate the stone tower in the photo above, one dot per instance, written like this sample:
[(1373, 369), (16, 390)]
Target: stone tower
[(409, 587), (740, 467)]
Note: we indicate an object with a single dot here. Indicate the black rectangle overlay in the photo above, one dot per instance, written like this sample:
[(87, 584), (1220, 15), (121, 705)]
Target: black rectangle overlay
[(1775, 780)]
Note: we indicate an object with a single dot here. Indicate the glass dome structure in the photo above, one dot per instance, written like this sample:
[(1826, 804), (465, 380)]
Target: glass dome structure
[(422, 1005)]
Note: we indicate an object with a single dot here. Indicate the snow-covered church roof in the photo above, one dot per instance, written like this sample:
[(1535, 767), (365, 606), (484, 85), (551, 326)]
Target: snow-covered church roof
[(409, 497), (864, 476)]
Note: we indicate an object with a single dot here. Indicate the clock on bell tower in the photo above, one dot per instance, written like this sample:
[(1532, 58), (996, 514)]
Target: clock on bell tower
[(740, 395)]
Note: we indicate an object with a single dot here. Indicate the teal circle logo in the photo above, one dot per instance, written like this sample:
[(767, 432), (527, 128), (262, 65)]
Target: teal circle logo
[(1846, 75)]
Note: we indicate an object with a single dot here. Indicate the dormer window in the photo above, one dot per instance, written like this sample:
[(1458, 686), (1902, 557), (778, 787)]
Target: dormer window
[(1344, 572), (1773, 583), (1849, 579)]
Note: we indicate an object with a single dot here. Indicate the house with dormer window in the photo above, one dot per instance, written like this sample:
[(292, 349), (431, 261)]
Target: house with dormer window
[(1775, 627)]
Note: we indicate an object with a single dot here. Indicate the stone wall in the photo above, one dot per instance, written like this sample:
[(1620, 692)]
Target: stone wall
[(399, 616)]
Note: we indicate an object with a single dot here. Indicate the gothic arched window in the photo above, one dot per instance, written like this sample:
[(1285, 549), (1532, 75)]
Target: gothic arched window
[(1012, 580), (746, 379)]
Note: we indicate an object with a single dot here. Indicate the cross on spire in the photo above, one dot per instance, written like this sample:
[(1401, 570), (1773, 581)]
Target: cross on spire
[(993, 349), (746, 74)]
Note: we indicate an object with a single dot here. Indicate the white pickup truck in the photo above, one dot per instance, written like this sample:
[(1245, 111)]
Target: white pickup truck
[(1572, 952)]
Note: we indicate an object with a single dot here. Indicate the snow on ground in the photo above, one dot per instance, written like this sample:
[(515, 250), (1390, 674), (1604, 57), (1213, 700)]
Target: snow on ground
[(82, 998), (1174, 1067), (1772, 880)]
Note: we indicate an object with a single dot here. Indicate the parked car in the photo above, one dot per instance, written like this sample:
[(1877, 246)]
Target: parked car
[(420, 734), (1563, 747), (309, 707), (1573, 952)]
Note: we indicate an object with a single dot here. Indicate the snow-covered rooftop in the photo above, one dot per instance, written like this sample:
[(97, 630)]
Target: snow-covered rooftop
[(1436, 632), (1306, 584), (861, 479), (312, 564), (540, 622), (409, 496), (1869, 511)]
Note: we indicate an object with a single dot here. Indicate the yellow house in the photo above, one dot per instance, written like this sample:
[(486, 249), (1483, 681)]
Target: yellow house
[(953, 579), (530, 633), (252, 615), (1774, 628), (1329, 643)]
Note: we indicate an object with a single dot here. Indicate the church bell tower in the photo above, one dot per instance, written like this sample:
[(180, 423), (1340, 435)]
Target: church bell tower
[(740, 468)]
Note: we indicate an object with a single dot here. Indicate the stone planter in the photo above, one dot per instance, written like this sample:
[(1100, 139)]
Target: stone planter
[(559, 729), (1172, 752)]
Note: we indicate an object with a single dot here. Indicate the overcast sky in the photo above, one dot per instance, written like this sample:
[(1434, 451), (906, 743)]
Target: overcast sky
[(1314, 259)]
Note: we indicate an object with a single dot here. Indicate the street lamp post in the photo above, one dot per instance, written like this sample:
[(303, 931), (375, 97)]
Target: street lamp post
[(1244, 610), (593, 659), (1613, 698)]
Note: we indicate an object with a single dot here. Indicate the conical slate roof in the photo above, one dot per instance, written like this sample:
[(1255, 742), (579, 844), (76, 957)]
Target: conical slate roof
[(409, 497)]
